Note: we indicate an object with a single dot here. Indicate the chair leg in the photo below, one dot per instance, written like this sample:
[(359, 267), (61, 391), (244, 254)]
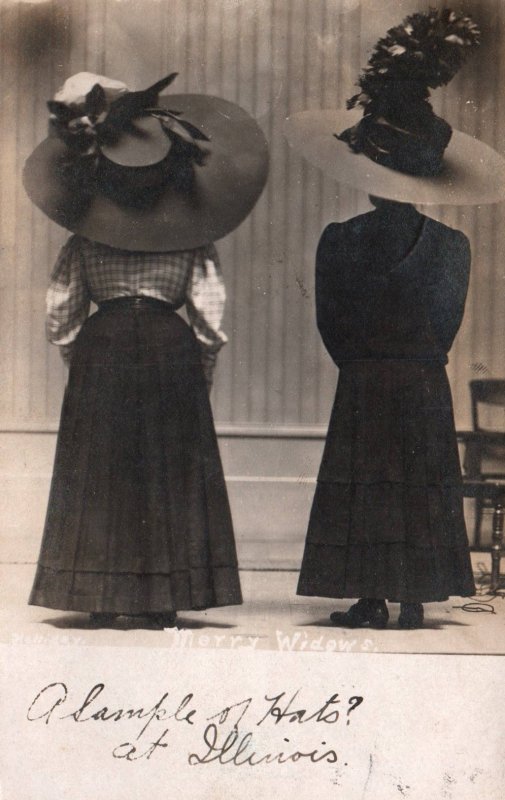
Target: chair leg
[(479, 506), (496, 548)]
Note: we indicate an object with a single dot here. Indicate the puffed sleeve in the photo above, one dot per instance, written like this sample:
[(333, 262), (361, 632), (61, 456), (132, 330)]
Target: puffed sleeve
[(448, 288), (337, 317), (205, 300), (67, 299)]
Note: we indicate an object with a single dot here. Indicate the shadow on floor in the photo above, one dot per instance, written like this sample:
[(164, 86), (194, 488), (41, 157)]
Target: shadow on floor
[(82, 622), (431, 625)]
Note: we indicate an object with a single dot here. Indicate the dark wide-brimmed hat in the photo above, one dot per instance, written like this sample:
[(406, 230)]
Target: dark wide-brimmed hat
[(141, 172), (388, 142)]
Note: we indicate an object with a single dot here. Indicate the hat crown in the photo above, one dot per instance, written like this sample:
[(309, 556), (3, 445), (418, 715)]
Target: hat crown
[(127, 146), (146, 144), (399, 128)]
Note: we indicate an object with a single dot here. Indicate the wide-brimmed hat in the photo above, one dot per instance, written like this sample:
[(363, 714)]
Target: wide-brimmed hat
[(472, 174), (124, 169), (388, 142)]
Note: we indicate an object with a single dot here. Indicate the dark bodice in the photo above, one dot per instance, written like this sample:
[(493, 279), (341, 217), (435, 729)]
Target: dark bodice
[(370, 308)]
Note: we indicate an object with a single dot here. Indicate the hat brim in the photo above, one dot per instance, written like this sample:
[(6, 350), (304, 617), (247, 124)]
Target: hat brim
[(225, 188), (473, 173)]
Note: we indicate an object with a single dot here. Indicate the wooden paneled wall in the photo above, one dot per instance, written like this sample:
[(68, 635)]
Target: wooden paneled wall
[(274, 57)]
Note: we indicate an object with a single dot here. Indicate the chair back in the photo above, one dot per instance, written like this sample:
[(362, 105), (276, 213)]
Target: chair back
[(491, 394)]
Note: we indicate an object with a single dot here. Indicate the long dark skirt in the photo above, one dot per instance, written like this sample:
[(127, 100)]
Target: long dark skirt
[(387, 517), (138, 518)]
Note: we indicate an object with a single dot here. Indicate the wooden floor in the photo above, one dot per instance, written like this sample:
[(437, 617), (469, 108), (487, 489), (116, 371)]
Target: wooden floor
[(272, 617)]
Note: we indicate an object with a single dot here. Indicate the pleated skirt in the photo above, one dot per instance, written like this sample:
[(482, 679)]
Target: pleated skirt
[(138, 519), (387, 517)]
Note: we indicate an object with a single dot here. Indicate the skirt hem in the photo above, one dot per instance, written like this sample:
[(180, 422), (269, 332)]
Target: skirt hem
[(395, 599), (136, 593), (117, 607)]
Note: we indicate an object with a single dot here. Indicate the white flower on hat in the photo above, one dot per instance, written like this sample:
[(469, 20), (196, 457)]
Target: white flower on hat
[(75, 88)]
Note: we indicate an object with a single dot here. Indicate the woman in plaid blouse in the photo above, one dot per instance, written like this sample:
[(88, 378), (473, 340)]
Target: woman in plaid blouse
[(138, 521), (87, 271)]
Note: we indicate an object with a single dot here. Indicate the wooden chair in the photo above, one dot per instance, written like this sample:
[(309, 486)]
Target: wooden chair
[(484, 456), (484, 462)]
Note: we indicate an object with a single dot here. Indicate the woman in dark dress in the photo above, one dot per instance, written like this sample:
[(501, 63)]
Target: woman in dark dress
[(138, 521), (387, 518)]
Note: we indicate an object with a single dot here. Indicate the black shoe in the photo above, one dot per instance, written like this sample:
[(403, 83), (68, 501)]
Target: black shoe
[(101, 619), (373, 613), (411, 616), (165, 619)]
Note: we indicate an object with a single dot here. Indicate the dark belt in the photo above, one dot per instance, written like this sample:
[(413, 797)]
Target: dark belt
[(135, 302)]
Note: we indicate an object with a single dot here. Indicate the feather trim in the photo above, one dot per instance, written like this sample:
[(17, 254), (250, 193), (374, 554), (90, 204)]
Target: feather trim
[(424, 52)]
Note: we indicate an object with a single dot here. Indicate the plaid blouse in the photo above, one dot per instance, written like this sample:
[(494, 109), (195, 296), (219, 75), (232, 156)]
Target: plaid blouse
[(87, 271)]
